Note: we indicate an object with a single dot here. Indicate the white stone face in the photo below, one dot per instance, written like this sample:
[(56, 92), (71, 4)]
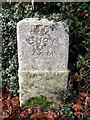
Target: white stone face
[(43, 58)]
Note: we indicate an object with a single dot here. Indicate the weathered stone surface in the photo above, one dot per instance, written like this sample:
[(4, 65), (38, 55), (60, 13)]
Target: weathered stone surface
[(43, 58)]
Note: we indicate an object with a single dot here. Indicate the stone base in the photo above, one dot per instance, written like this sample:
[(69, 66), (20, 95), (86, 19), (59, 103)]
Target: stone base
[(53, 85)]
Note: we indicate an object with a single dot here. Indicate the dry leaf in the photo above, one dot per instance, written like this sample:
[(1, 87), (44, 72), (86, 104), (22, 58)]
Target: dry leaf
[(15, 98), (77, 113), (42, 116), (84, 95), (77, 107), (9, 97), (35, 110), (25, 114), (54, 114), (65, 117), (5, 115)]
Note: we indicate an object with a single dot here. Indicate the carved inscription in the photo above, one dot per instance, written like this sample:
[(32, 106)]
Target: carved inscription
[(43, 59), (38, 38)]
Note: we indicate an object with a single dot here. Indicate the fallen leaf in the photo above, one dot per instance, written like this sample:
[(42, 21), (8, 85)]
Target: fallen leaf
[(4, 106), (15, 98), (65, 117), (54, 114), (25, 114), (84, 95), (9, 97), (42, 116), (77, 113), (5, 115), (77, 107), (35, 110)]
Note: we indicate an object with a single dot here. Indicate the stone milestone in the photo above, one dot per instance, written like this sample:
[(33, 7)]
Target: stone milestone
[(43, 58)]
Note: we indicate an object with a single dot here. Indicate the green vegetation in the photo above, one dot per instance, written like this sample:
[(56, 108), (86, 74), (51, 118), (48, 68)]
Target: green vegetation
[(40, 102), (76, 15)]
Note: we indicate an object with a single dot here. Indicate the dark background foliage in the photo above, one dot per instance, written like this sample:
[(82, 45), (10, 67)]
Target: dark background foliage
[(76, 15)]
